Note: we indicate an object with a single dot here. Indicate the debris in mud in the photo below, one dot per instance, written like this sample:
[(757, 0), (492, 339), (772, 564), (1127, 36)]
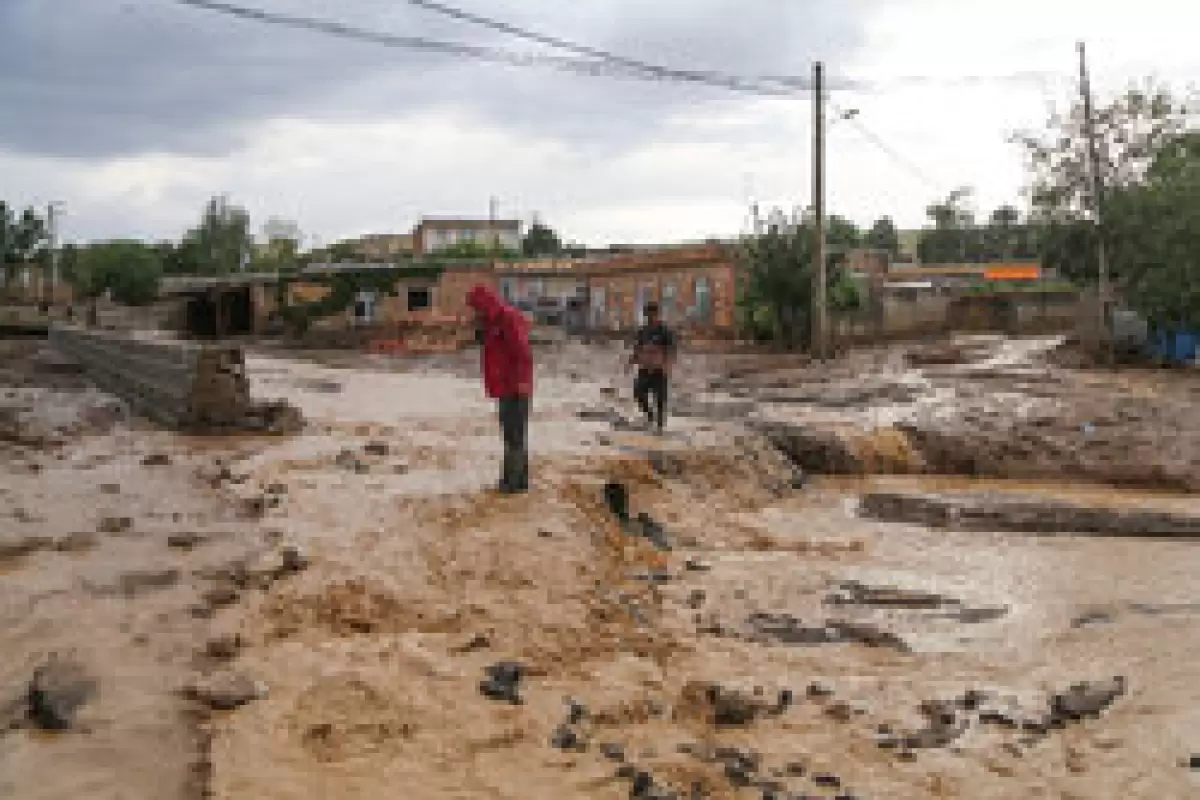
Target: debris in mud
[(942, 728), (616, 498), (503, 682), (76, 542), (1026, 514), (13, 546), (224, 691), (115, 525), (786, 629), (720, 706), (156, 460), (223, 648), (186, 541), (58, 690), (889, 597), (376, 448), (135, 582)]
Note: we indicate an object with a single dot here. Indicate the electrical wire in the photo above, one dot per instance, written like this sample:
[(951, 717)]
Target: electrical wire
[(594, 68), (883, 147)]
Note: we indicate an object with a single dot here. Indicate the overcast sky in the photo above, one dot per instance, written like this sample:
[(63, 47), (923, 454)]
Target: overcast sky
[(134, 112)]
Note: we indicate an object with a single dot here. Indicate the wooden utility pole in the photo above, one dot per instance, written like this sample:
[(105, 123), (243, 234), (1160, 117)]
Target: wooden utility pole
[(1085, 89), (820, 316)]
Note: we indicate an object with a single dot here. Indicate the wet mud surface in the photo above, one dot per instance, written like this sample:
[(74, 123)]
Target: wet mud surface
[(349, 613)]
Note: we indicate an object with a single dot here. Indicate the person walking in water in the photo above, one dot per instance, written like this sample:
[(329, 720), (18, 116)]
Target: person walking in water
[(654, 356), (507, 367)]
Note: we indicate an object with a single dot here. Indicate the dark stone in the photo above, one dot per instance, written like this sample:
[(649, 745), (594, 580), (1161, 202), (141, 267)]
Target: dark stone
[(156, 460), (794, 769), (185, 541), (643, 783), (1194, 762), (566, 738), (132, 583), (576, 712), (503, 682), (221, 597), (616, 497), (785, 701), (972, 699), (1084, 700), (76, 542), (692, 565), (223, 648), (223, 691), (58, 690), (825, 779), (731, 708), (613, 752), (292, 560), (816, 690), (115, 524), (696, 598), (376, 448)]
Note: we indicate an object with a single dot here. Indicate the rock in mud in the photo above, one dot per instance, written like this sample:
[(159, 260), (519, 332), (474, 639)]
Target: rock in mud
[(223, 648), (76, 542), (503, 682), (58, 690), (186, 541), (224, 691), (135, 582), (114, 525), (156, 460), (1083, 700), (376, 448), (13, 546)]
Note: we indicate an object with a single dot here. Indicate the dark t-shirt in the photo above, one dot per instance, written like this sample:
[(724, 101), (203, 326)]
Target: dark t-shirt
[(654, 344)]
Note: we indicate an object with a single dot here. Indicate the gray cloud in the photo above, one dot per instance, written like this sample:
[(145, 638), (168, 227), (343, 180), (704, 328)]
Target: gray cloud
[(101, 78)]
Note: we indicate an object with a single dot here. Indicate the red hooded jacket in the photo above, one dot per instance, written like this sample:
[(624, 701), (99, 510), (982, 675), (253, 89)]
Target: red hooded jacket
[(507, 359)]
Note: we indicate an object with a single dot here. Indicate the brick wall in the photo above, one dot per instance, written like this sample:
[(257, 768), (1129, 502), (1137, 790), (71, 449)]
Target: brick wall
[(178, 384)]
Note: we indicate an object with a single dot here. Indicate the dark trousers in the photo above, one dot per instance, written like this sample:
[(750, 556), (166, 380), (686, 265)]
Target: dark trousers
[(514, 428), (652, 381)]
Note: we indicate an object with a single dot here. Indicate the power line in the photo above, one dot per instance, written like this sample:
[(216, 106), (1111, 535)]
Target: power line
[(594, 68), (636, 65), (883, 147)]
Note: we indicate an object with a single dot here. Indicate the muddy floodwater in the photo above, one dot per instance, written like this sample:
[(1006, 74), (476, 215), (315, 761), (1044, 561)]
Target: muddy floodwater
[(351, 613)]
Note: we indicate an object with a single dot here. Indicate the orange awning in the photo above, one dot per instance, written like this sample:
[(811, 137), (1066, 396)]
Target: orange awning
[(1012, 272)]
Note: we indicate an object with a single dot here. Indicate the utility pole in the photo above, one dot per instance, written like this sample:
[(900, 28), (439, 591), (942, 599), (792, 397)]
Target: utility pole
[(1085, 88), (820, 317), (493, 241), (49, 286)]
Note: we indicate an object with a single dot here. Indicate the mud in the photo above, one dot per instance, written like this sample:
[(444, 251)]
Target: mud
[(349, 613)]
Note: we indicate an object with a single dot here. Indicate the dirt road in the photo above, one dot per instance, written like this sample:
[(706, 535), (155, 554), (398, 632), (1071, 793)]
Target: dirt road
[(783, 646)]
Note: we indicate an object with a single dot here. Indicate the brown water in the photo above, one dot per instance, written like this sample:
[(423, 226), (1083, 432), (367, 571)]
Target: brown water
[(373, 690)]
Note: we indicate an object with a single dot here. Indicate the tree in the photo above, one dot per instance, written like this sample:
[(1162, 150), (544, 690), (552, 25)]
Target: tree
[(1001, 236), (883, 236), (951, 240), (1132, 131), (541, 240), (23, 240), (1154, 231), (221, 244), (129, 269), (777, 293)]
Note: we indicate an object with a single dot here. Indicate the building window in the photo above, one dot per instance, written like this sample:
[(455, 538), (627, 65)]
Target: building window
[(506, 289), (420, 299), (668, 301), (703, 300), (364, 307)]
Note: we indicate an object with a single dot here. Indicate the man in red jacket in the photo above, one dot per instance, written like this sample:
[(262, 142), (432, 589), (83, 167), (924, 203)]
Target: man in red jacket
[(507, 366)]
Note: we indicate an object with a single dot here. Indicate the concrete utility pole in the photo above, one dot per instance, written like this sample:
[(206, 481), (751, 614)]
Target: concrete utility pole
[(493, 239), (820, 316), (1085, 89)]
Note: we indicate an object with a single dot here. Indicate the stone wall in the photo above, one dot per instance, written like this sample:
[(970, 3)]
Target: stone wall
[(186, 385)]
